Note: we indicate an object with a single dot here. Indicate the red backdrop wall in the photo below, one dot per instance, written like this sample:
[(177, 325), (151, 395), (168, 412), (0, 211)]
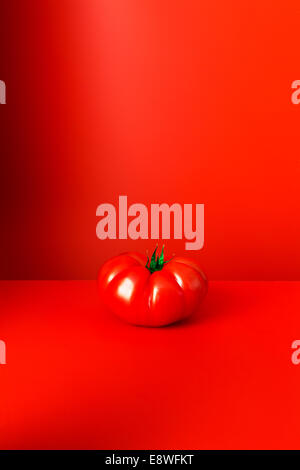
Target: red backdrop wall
[(185, 102)]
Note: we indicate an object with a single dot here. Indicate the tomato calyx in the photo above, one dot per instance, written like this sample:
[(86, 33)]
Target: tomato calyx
[(157, 261)]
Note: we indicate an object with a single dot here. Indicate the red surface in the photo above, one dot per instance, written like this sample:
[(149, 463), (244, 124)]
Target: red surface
[(76, 377), (163, 101)]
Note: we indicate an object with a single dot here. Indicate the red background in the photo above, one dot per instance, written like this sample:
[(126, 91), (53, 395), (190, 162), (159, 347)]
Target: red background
[(163, 101)]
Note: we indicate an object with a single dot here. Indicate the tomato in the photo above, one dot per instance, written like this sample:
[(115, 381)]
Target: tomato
[(151, 293)]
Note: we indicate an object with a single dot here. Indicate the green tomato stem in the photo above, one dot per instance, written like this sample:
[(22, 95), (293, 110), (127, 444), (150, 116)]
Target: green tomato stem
[(157, 261)]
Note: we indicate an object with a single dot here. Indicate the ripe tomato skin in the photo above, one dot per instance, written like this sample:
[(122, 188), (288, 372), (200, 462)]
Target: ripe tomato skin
[(166, 296)]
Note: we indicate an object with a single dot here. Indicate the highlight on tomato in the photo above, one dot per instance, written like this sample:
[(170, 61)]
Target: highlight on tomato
[(152, 292)]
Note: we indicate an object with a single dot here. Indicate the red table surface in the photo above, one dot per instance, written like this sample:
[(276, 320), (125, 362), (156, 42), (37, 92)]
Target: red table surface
[(78, 378)]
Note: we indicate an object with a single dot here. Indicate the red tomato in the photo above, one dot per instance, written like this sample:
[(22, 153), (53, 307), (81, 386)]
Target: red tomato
[(151, 293)]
